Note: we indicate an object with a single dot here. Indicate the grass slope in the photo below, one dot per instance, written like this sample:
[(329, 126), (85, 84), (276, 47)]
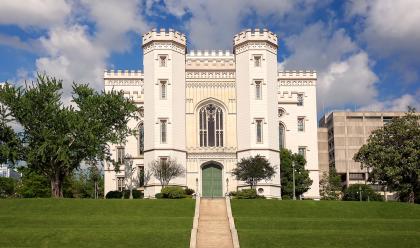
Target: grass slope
[(95, 223), (273, 223)]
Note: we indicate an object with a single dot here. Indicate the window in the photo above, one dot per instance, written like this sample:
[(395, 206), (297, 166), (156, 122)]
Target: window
[(141, 176), (357, 176), (163, 85), (162, 60), (281, 135), (258, 90), (259, 127), (301, 124), (300, 99), (163, 131), (257, 60), (120, 183), (281, 112), (141, 138), (211, 126), (163, 160), (120, 154), (302, 151)]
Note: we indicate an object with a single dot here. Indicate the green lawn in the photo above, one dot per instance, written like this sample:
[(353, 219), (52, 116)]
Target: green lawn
[(95, 223), (274, 223)]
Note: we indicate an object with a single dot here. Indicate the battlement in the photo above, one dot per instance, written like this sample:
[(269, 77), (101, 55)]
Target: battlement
[(127, 74), (297, 74), (164, 35), (255, 35), (212, 53)]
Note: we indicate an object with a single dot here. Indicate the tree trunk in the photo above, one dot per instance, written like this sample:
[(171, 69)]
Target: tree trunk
[(411, 197), (57, 186)]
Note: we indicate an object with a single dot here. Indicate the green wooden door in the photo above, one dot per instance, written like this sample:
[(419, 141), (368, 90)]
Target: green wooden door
[(212, 181)]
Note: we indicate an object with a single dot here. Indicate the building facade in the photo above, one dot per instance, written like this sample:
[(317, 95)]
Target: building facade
[(210, 109), (346, 133)]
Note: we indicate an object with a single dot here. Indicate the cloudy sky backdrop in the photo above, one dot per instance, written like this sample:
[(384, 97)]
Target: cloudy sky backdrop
[(366, 52)]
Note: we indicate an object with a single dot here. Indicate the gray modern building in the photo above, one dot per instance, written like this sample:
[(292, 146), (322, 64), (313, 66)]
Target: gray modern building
[(340, 136), (6, 171)]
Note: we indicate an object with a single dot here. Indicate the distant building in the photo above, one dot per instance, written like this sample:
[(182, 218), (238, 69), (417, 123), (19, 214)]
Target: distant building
[(346, 132), (5, 171)]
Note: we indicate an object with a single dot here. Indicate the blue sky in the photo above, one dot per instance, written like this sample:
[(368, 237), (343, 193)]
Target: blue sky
[(366, 53)]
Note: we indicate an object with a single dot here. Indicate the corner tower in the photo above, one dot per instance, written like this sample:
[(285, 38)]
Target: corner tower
[(256, 84), (164, 100)]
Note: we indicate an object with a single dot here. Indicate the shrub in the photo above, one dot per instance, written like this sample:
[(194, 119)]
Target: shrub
[(189, 191), (159, 196), (114, 195), (137, 194), (352, 193), (173, 192), (247, 194), (7, 187), (233, 193)]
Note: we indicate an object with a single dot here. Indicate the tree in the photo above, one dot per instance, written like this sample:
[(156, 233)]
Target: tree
[(10, 144), (302, 180), (32, 184), (165, 170), (129, 172), (392, 156), (7, 187), (254, 169), (58, 137), (330, 185), (365, 192)]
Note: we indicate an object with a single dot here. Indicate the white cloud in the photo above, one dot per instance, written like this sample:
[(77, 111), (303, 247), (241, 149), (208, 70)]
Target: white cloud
[(34, 13), (215, 22), (344, 73), (391, 30), (75, 53), (396, 104)]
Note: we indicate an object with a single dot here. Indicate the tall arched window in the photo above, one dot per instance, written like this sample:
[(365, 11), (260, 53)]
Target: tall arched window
[(141, 138), (282, 130), (211, 126)]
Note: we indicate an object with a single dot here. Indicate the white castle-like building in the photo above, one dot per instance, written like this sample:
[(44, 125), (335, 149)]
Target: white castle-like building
[(210, 109)]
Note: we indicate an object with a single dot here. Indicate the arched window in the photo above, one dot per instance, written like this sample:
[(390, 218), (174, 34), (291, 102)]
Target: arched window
[(282, 130), (141, 138), (211, 126)]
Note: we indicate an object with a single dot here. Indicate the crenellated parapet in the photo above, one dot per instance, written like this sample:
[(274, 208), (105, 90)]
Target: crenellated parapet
[(210, 60), (255, 35), (123, 78), (134, 74), (297, 78), (164, 35)]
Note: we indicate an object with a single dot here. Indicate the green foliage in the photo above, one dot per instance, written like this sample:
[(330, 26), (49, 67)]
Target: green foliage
[(173, 192), (352, 193), (392, 155), (330, 185), (114, 195), (10, 144), (58, 138), (253, 169), (137, 194), (247, 194), (159, 196), (33, 185), (302, 180), (189, 191), (7, 187)]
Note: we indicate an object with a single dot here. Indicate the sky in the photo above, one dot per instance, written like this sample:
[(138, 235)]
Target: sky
[(366, 52)]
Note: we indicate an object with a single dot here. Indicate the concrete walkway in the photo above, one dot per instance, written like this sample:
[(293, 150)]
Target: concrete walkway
[(213, 225)]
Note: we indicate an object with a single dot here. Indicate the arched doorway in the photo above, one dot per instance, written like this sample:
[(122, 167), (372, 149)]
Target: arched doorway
[(212, 180)]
